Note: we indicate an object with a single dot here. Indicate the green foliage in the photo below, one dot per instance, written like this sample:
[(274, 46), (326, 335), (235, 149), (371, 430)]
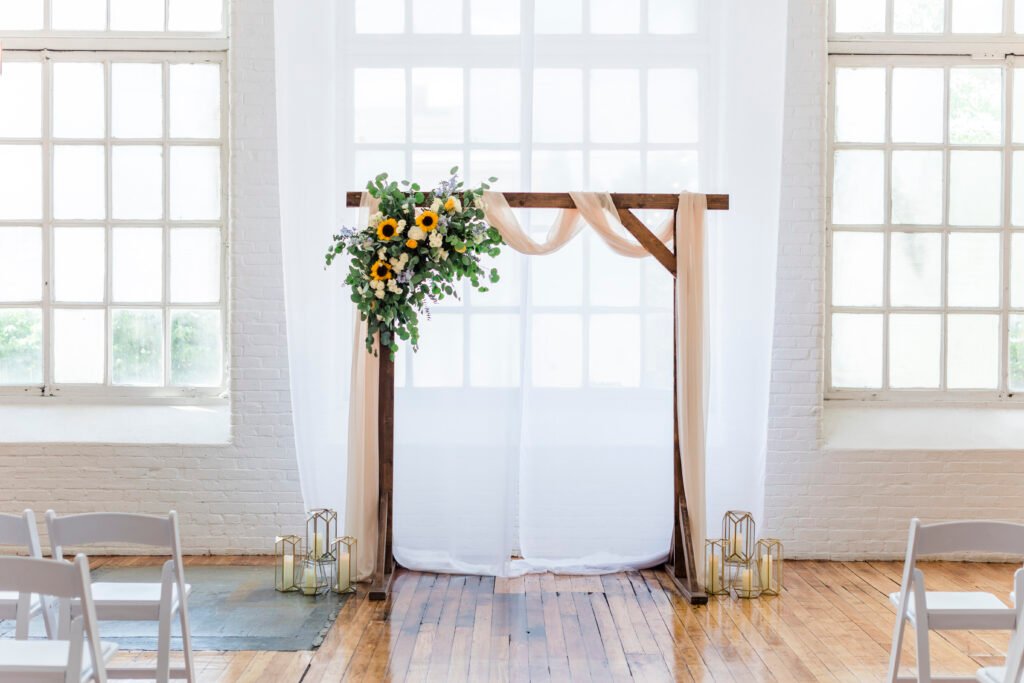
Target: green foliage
[(195, 348), (394, 280), (137, 338), (21, 346)]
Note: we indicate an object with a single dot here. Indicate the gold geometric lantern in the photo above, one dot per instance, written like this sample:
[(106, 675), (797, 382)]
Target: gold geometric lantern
[(769, 565), (345, 561), (715, 570), (745, 580), (315, 579), (739, 532), (321, 530), (287, 561)]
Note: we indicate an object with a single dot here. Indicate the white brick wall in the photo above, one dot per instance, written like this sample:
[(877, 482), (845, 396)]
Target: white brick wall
[(232, 499), (844, 504)]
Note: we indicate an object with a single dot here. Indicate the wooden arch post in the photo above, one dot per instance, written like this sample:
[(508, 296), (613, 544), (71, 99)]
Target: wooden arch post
[(680, 564)]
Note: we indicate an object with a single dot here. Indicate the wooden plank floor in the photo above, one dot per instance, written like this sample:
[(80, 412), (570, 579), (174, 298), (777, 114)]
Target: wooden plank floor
[(832, 623)]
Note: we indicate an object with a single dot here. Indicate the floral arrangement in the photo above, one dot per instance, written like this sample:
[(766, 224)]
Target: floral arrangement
[(415, 248)]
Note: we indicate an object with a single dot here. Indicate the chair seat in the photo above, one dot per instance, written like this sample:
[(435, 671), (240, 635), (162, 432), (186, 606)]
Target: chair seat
[(991, 674), (44, 656), (105, 593), (961, 609), (10, 599)]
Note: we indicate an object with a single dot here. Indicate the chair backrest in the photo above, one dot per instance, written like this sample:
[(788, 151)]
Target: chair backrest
[(21, 530), (65, 580), (974, 536), (113, 527)]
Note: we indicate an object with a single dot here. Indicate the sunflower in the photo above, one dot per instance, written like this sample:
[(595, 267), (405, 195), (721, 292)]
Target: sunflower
[(387, 229), (381, 271), (412, 244), (450, 204), (427, 221)]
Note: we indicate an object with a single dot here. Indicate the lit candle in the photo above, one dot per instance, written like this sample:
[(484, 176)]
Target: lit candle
[(714, 584), (288, 573), (309, 580), (343, 571)]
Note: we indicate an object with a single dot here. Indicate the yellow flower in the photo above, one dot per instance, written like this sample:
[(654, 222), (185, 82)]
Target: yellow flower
[(412, 244), (450, 204), (427, 221), (381, 271), (461, 250), (387, 229)]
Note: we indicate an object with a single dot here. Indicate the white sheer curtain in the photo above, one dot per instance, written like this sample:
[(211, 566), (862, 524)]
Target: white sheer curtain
[(536, 419)]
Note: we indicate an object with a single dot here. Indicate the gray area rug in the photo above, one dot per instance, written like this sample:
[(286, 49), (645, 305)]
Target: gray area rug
[(231, 608)]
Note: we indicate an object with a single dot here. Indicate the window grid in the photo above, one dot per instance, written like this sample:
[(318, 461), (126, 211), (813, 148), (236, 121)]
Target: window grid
[(1004, 230), (166, 224), (193, 28), (1008, 31)]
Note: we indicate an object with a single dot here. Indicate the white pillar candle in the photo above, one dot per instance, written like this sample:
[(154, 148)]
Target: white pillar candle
[(747, 581), (766, 571), (309, 580), (737, 544), (318, 545), (714, 584), (288, 572), (344, 571)]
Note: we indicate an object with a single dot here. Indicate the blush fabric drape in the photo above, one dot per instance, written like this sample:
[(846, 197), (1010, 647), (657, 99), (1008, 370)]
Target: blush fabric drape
[(598, 211)]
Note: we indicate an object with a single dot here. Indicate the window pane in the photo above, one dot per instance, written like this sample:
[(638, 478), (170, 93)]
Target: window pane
[(21, 346), (1016, 378), (919, 16), (615, 105), (1018, 94), (673, 110), (79, 264), (860, 16), (431, 167), (138, 15), (564, 16), (556, 350), (672, 171), (1017, 189), (195, 183), (380, 16), (79, 182), (196, 348), (137, 264), (21, 264), (977, 16), (860, 105), (78, 353), (915, 343), (21, 181), (507, 291), (78, 100), (557, 105), (138, 182), (78, 15), (553, 170), (438, 363), (672, 16), (138, 347), (136, 92), (1017, 271), (367, 164), (917, 107), (557, 279), (857, 268), (973, 270), (437, 105), (975, 184), (21, 15), (437, 16), (488, 123), (487, 163), (972, 356), (195, 15), (1018, 16), (614, 16), (375, 118), (21, 99), (612, 171), (494, 350), (856, 351), (916, 264), (614, 342), (975, 106), (917, 187), (195, 265), (195, 100), (614, 280), (494, 17), (857, 187)]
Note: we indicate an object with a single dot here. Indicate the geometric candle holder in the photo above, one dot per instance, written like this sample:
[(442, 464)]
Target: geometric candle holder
[(321, 530), (344, 550), (315, 579), (287, 561), (769, 565), (715, 570), (739, 533), (745, 580)]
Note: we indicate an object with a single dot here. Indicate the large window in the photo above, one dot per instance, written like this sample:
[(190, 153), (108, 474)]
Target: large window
[(546, 96), (926, 218), (112, 201)]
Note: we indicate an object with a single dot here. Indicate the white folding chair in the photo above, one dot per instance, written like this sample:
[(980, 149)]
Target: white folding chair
[(930, 610), (83, 656), (1013, 670), (116, 601), (20, 530)]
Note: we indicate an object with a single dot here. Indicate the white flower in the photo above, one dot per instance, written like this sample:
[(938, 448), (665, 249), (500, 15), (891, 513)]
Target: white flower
[(435, 205), (401, 227), (443, 254), (377, 284), (436, 239), (478, 202), (379, 293), (416, 233), (381, 254), (478, 238), (393, 287), (458, 205), (376, 218)]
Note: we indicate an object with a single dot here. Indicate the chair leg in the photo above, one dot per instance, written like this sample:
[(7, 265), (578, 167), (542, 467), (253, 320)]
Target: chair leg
[(924, 669), (897, 646), (186, 642), (163, 645)]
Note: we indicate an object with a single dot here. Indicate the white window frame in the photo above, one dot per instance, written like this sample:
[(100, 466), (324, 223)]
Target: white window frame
[(947, 49), (48, 47)]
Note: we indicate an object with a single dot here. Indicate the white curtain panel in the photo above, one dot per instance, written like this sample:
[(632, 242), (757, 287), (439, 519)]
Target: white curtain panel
[(535, 421)]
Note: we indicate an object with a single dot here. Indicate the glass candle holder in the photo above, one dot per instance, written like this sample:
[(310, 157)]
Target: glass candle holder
[(321, 530), (714, 567), (739, 532), (287, 560), (745, 580), (344, 564), (315, 580), (769, 564)]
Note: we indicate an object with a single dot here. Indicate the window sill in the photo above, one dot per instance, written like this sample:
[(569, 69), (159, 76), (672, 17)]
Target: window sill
[(860, 427), (206, 424)]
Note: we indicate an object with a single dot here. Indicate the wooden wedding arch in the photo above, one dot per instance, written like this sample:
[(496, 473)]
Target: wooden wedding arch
[(680, 563)]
